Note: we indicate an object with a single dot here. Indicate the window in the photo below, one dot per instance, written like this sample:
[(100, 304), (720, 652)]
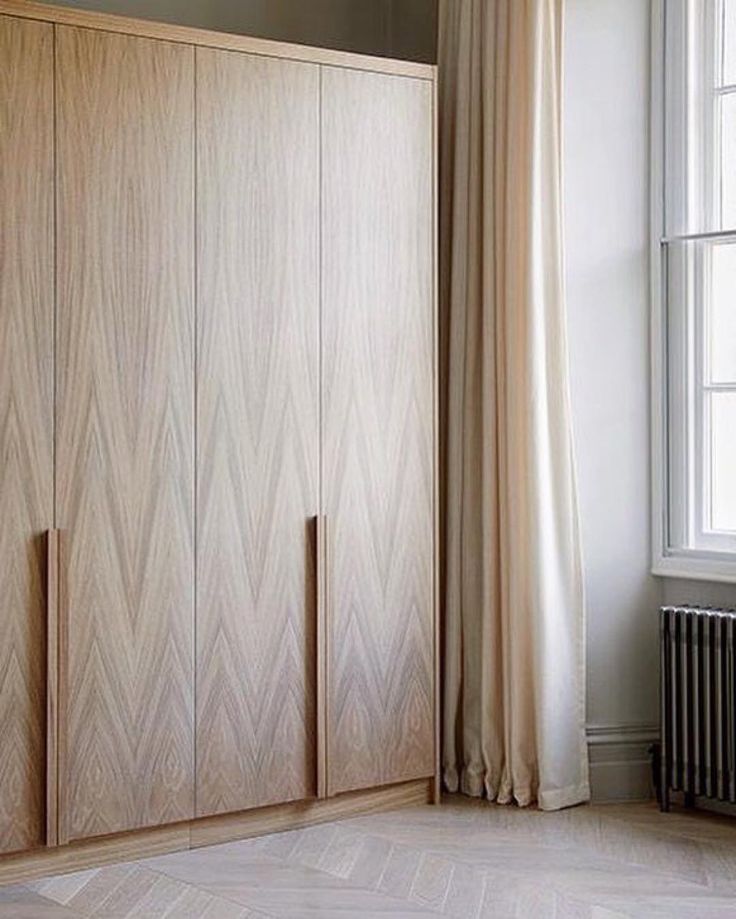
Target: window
[(694, 288)]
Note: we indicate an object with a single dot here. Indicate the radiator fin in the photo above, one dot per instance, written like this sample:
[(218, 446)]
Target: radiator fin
[(698, 702)]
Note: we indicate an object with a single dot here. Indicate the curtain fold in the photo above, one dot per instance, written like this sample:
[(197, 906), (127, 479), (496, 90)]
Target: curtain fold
[(514, 652)]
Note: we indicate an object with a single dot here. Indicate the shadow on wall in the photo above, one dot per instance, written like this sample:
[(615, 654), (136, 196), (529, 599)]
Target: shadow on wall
[(390, 28)]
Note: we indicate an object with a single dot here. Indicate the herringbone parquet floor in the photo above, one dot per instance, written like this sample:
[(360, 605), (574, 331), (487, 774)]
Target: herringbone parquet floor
[(465, 859)]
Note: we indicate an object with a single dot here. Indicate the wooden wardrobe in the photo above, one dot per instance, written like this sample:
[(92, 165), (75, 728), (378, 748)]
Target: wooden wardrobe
[(217, 435)]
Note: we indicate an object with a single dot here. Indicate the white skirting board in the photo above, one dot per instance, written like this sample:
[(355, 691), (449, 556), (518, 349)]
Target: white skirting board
[(620, 762)]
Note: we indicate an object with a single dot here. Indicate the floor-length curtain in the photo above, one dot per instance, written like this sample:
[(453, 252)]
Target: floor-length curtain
[(514, 707)]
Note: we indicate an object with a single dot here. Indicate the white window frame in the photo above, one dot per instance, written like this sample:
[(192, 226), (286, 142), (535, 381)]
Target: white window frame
[(718, 561)]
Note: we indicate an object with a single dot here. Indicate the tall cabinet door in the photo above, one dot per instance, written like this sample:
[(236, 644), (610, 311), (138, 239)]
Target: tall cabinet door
[(257, 428), (125, 428), (26, 418), (377, 269)]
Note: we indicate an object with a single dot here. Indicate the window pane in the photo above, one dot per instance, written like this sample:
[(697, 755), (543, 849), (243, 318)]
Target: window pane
[(692, 120), (723, 461), (728, 161), (729, 41), (722, 332)]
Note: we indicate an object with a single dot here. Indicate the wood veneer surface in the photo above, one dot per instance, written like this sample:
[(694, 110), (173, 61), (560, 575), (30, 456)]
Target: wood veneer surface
[(26, 418), (126, 424), (125, 428), (378, 422), (257, 428)]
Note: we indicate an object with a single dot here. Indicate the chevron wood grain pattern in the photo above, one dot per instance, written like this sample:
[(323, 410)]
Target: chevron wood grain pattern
[(257, 428), (26, 418), (378, 419), (125, 427)]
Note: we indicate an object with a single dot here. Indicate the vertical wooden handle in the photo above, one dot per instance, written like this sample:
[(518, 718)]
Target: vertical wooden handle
[(52, 687), (56, 657), (322, 656), (62, 774)]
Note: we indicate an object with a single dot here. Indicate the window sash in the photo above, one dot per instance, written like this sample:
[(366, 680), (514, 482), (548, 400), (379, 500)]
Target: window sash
[(690, 401), (687, 225)]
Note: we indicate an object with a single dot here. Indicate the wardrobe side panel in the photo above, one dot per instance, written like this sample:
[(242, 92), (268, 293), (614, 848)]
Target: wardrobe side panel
[(26, 418), (125, 428), (257, 428), (378, 377)]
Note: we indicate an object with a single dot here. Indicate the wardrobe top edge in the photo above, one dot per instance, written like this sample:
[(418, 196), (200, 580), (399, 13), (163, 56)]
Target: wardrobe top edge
[(145, 28)]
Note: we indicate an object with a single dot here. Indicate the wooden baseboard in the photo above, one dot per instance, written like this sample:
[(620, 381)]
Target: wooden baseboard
[(91, 853), (227, 827), (206, 831)]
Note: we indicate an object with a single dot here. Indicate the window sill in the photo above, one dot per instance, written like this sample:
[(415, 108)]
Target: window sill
[(697, 566)]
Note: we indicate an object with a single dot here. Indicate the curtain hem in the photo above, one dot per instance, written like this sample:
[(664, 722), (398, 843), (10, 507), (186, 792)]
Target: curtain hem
[(550, 800), (558, 798)]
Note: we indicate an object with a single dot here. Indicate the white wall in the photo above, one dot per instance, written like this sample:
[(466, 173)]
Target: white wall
[(701, 593), (606, 162)]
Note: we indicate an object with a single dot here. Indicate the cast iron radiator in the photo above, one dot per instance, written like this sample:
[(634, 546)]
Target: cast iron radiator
[(698, 703)]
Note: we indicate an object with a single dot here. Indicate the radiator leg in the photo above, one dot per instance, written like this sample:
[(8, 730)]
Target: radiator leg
[(662, 748), (664, 785), (689, 799)]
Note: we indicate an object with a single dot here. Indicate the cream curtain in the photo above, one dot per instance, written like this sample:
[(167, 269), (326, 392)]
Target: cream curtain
[(514, 707)]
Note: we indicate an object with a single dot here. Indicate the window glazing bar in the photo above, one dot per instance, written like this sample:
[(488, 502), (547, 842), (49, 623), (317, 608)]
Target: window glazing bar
[(718, 387), (714, 235)]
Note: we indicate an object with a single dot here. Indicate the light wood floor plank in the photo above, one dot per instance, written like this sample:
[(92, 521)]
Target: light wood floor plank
[(467, 860)]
